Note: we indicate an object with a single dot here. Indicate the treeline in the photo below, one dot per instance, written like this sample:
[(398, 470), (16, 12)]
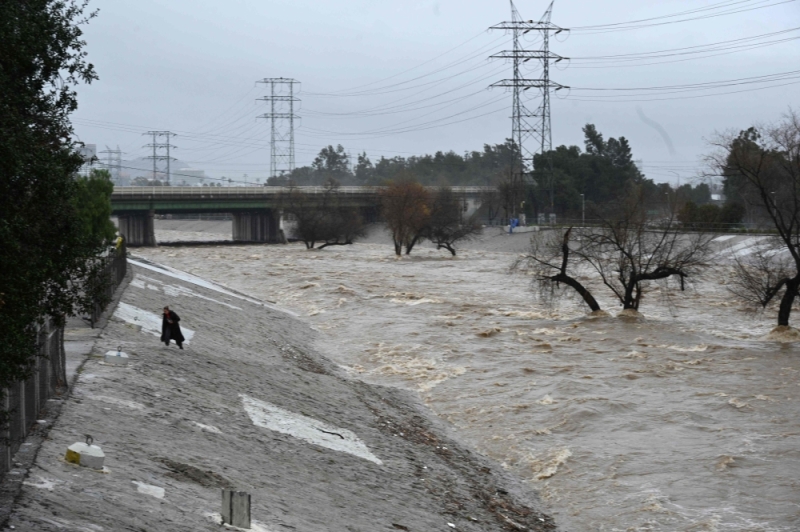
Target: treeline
[(601, 171), (476, 168)]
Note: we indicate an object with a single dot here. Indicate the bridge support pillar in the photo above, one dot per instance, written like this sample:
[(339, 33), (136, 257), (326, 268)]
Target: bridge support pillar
[(262, 226), (138, 228)]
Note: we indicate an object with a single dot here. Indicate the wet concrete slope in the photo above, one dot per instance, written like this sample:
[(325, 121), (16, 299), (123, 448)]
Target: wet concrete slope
[(249, 404)]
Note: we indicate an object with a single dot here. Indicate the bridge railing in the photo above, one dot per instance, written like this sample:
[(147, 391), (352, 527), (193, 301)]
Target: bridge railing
[(210, 192)]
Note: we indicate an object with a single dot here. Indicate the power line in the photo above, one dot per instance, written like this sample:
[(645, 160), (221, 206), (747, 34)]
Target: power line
[(407, 70), (646, 23)]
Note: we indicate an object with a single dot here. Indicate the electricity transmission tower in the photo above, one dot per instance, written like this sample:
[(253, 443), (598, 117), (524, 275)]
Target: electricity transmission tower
[(281, 115), (114, 163), (158, 146), (530, 129)]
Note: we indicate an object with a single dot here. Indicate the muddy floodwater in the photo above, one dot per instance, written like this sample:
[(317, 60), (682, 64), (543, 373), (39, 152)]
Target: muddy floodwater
[(684, 421)]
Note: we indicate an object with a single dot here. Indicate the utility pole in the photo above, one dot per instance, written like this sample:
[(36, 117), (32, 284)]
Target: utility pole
[(281, 115), (529, 128), (160, 145), (114, 163)]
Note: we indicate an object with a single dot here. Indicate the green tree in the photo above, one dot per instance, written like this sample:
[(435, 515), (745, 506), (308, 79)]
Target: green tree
[(602, 173), (332, 163), (43, 246), (92, 201)]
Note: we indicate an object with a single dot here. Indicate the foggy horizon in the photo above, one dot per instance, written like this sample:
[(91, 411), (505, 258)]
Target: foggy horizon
[(192, 68)]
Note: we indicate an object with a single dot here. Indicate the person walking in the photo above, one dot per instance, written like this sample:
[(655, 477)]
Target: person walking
[(170, 328)]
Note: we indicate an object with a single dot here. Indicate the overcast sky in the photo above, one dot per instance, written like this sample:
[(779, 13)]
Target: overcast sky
[(421, 70)]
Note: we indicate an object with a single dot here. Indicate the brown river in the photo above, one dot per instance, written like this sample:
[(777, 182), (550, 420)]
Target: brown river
[(686, 420)]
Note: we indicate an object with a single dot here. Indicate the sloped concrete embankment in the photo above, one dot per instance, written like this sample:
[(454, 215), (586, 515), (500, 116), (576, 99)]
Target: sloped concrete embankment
[(248, 404)]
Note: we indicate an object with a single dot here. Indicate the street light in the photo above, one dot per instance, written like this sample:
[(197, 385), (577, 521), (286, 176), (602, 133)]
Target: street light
[(583, 210)]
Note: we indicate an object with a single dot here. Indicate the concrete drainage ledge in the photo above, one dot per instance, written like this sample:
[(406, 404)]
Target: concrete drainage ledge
[(79, 341)]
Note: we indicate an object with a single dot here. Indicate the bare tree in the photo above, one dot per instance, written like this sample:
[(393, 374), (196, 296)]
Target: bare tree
[(406, 209), (322, 218), (491, 203), (446, 224), (762, 166), (344, 226), (511, 190), (628, 251), (548, 260)]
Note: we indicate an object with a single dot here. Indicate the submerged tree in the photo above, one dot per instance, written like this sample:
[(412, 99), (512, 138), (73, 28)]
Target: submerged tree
[(446, 224), (405, 206), (762, 168), (548, 260), (628, 250), (322, 218)]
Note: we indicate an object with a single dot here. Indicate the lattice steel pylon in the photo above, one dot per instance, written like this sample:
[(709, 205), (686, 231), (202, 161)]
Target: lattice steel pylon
[(281, 115), (114, 163), (530, 128), (161, 146)]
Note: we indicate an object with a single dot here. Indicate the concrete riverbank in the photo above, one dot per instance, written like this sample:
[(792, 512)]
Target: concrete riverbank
[(249, 404)]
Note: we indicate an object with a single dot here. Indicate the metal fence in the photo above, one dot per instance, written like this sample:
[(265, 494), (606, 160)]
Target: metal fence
[(116, 266), (24, 400)]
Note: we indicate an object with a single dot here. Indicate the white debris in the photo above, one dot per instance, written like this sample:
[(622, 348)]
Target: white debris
[(208, 428), (148, 489)]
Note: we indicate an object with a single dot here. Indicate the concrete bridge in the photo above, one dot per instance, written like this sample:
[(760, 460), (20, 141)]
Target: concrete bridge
[(256, 210)]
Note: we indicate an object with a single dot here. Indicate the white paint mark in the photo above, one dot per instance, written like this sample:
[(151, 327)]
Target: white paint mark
[(115, 401), (208, 428), (306, 428), (141, 281), (149, 321), (193, 279), (148, 489), (42, 483)]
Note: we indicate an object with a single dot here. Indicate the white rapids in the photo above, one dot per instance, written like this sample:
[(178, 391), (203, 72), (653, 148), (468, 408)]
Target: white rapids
[(684, 421)]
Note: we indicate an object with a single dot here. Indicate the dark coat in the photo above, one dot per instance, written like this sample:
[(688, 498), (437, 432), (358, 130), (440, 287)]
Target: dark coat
[(171, 331)]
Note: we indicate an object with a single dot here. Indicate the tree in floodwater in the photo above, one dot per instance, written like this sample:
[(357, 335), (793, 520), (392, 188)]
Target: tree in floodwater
[(446, 224), (762, 167), (406, 209), (548, 261), (628, 249), (322, 218)]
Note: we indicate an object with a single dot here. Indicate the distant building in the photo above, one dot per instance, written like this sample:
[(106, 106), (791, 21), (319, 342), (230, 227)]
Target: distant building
[(187, 177), (716, 193), (89, 154)]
